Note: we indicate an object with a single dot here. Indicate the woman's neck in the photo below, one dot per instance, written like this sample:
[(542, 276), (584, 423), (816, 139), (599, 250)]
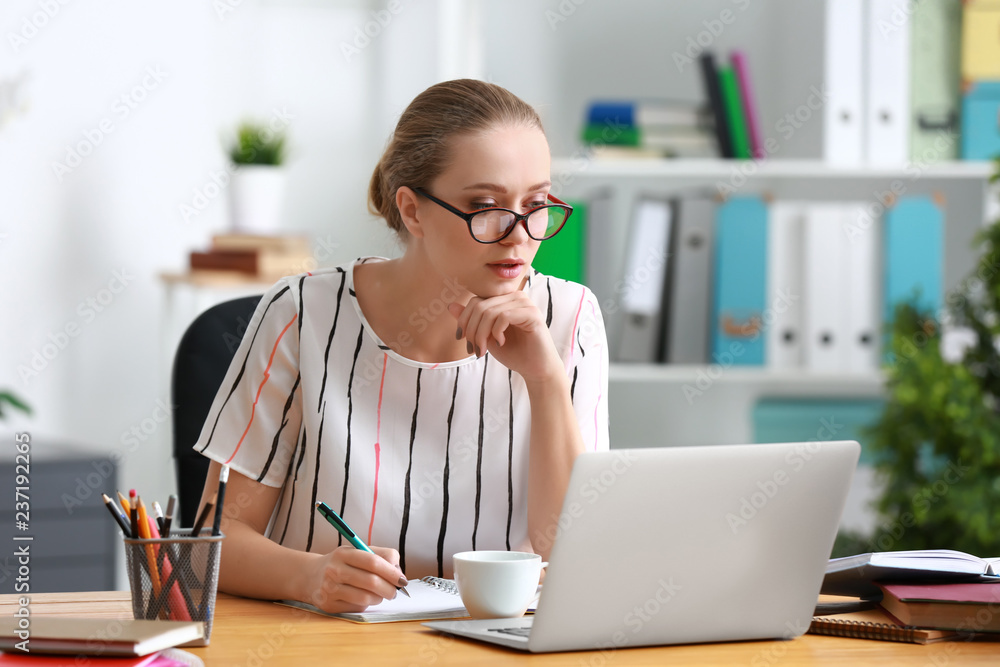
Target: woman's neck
[(406, 303)]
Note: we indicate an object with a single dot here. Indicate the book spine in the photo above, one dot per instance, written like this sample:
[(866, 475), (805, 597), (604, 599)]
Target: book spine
[(713, 91), (734, 112)]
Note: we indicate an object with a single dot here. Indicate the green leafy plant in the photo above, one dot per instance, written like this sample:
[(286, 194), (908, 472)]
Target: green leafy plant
[(937, 443), (12, 401), (256, 143)]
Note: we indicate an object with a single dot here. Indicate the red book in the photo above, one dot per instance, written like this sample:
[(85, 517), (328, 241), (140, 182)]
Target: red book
[(967, 608)]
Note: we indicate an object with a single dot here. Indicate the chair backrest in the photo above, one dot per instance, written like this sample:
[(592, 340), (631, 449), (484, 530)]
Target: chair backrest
[(203, 356)]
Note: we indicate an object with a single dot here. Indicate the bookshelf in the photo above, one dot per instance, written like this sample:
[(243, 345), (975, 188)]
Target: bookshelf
[(654, 404), (628, 50)]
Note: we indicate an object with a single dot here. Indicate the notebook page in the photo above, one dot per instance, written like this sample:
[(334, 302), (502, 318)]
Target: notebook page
[(424, 598), (426, 602)]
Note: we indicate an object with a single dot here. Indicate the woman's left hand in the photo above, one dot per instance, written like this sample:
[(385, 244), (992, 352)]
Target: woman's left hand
[(513, 330)]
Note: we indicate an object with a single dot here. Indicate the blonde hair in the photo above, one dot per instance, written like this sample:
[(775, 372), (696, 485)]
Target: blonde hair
[(417, 152)]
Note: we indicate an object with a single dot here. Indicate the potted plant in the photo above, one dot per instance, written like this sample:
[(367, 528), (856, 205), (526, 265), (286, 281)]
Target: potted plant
[(8, 398), (257, 187), (937, 443)]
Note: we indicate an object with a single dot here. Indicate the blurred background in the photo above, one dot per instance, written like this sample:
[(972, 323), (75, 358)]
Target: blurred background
[(115, 129)]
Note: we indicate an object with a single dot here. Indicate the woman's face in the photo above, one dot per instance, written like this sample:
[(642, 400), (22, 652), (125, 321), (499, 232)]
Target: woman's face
[(506, 167)]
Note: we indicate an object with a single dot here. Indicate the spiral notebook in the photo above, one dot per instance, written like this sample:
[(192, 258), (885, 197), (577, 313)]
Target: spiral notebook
[(875, 624), (430, 598)]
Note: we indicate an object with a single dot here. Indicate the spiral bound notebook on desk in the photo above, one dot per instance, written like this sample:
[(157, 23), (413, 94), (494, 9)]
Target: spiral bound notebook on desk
[(430, 598), (875, 624)]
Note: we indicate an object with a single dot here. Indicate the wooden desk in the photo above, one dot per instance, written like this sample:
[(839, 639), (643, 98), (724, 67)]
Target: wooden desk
[(263, 634)]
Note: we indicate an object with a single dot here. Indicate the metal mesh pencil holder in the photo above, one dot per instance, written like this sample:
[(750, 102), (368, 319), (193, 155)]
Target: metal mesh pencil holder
[(175, 578)]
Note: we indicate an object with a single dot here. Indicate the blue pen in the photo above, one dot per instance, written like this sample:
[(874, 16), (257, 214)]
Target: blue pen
[(349, 534)]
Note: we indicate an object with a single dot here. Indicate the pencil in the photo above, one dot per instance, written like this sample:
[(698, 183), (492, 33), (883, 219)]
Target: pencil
[(158, 513), (144, 533), (175, 602), (223, 479), (133, 511), (124, 501), (203, 516), (168, 519), (117, 514)]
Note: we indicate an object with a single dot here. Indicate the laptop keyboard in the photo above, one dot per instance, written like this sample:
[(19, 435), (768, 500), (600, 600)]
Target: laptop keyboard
[(517, 632)]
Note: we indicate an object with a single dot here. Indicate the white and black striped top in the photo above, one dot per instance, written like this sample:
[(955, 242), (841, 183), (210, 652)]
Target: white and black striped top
[(430, 459)]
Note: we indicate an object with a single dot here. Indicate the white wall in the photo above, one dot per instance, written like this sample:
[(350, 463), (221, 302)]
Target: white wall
[(64, 237), (342, 70)]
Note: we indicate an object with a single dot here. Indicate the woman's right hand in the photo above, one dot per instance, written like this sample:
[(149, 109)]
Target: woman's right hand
[(350, 580)]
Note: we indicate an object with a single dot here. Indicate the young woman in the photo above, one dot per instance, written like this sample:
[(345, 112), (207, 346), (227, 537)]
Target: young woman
[(435, 401)]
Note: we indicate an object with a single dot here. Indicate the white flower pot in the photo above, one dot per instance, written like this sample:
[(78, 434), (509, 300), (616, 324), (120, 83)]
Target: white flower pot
[(256, 198)]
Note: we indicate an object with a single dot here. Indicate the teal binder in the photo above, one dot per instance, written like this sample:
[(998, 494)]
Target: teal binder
[(981, 121), (815, 419), (914, 262), (740, 290)]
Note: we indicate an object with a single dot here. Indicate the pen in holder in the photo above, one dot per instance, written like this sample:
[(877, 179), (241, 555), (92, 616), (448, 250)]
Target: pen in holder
[(175, 578)]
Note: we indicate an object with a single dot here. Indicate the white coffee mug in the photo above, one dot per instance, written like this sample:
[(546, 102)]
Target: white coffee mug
[(497, 584)]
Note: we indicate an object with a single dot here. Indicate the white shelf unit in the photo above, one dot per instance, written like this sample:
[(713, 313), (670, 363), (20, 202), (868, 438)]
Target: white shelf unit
[(575, 53), (672, 405)]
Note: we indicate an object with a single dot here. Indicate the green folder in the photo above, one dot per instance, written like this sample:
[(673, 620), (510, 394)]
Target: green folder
[(562, 256), (734, 111)]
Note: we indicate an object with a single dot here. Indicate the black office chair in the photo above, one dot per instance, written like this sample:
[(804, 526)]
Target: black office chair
[(203, 357)]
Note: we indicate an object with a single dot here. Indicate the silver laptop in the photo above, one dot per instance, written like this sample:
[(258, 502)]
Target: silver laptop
[(685, 544)]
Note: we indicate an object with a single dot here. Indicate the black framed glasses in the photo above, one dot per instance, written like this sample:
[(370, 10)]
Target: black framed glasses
[(490, 225)]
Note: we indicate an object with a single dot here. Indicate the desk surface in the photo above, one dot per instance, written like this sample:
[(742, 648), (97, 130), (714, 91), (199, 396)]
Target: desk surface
[(251, 632)]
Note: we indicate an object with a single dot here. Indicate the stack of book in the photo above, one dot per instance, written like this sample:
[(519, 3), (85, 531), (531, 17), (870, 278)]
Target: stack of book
[(652, 128), (911, 596), (730, 96), (265, 257)]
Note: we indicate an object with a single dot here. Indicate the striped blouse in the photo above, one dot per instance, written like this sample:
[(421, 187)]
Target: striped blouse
[(430, 459)]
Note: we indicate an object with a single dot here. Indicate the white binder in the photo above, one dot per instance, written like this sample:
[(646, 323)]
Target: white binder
[(785, 285), (863, 243), (843, 53), (644, 283), (887, 115), (825, 292)]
